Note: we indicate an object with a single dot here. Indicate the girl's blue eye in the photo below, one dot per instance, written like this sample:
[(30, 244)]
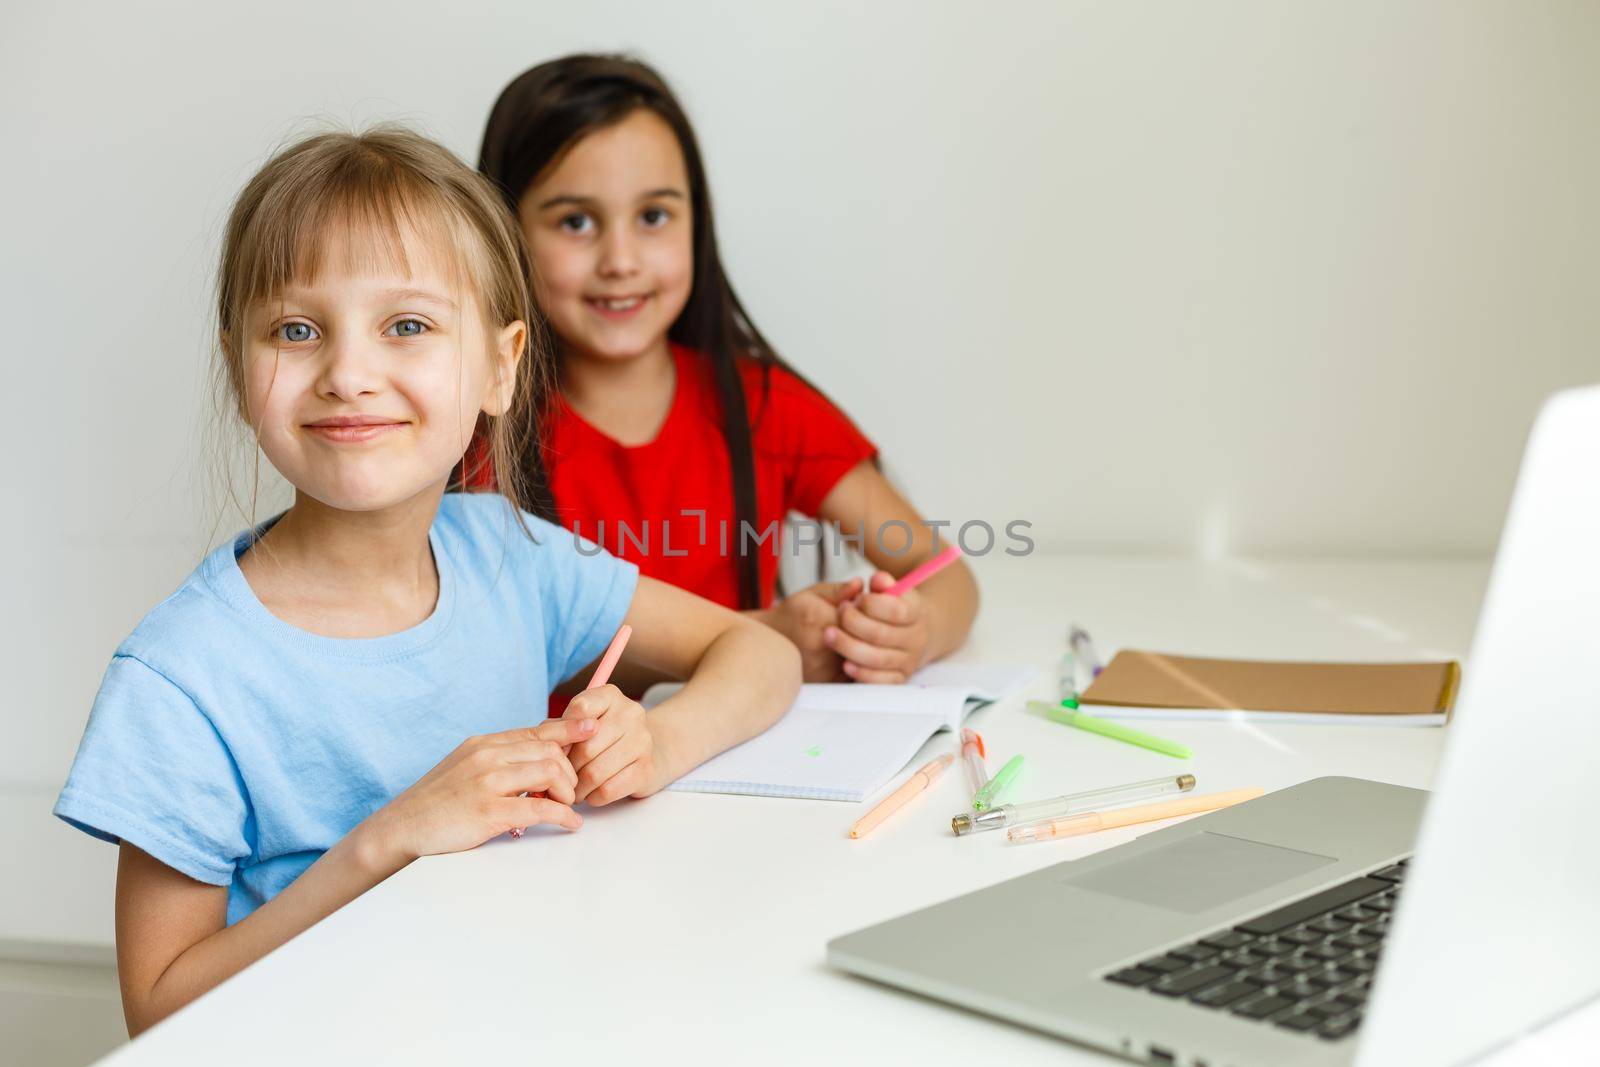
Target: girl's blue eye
[(578, 224), (409, 328), (655, 217), (296, 332)]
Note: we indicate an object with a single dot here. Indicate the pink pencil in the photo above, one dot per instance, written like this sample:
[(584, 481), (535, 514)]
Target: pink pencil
[(608, 662), (925, 571), (602, 674)]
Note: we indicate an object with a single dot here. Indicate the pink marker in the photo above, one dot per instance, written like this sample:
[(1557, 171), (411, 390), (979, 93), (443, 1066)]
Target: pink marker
[(925, 571), (602, 674)]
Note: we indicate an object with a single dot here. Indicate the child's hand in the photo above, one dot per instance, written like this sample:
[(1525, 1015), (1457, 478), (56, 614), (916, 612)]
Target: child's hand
[(475, 792), (620, 758), (881, 638), (805, 616)]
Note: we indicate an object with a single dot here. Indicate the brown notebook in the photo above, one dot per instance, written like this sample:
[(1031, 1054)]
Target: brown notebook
[(1419, 692)]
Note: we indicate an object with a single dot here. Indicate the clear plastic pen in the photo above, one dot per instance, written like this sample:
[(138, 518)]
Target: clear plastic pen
[(1088, 660), (984, 798), (972, 759), (1007, 815), (1090, 822)]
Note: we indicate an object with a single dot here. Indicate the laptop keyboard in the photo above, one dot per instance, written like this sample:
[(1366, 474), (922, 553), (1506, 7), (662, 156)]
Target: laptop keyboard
[(1306, 967)]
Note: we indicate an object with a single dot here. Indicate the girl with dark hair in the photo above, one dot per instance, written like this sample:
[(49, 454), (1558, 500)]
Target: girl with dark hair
[(675, 434)]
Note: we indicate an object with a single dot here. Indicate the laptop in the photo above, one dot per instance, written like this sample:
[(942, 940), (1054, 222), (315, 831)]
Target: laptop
[(1342, 920)]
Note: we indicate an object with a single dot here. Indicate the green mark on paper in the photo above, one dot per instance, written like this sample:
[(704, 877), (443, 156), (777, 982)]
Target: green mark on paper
[(814, 750)]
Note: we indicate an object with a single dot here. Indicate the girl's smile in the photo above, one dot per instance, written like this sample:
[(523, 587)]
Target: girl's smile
[(354, 429), (618, 308)]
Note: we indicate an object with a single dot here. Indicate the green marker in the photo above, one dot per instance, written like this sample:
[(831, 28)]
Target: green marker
[(1116, 731), (995, 786)]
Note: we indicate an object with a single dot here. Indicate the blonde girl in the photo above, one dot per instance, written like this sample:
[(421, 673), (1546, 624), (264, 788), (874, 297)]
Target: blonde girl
[(348, 686)]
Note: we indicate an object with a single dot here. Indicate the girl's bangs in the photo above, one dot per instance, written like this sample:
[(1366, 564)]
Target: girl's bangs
[(353, 228)]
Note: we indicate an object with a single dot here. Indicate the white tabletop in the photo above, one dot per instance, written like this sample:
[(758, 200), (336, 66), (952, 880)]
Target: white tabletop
[(695, 924)]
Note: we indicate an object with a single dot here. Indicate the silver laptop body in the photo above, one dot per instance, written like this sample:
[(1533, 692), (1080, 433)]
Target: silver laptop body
[(1493, 929)]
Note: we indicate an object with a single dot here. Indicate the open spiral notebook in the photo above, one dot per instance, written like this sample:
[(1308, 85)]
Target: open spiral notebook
[(843, 742)]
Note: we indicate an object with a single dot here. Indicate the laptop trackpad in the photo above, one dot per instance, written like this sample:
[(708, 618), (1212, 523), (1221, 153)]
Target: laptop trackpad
[(1199, 872)]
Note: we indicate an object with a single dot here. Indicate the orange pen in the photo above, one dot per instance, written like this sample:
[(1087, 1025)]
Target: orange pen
[(900, 797)]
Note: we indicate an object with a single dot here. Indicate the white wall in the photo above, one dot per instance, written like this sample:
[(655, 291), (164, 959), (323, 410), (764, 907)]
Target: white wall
[(1246, 277)]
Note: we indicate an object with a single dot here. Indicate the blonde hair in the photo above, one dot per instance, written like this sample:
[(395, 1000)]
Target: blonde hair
[(370, 188)]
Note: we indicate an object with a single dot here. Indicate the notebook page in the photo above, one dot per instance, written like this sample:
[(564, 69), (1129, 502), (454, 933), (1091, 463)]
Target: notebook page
[(941, 689), (846, 696), (983, 681), (824, 755), (945, 703), (845, 741)]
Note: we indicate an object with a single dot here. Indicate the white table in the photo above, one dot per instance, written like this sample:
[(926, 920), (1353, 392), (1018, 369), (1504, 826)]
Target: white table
[(694, 925)]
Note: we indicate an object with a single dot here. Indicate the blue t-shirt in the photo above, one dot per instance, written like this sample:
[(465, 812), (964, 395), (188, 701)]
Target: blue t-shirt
[(237, 748)]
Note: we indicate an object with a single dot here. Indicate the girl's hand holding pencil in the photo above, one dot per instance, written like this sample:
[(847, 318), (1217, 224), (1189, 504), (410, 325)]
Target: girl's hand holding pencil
[(805, 617), (619, 759), (882, 637)]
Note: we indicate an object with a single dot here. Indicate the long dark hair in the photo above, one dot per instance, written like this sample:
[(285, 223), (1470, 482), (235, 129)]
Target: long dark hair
[(541, 113)]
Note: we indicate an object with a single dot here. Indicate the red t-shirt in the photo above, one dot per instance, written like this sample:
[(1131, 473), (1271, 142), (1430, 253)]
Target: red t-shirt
[(801, 445)]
